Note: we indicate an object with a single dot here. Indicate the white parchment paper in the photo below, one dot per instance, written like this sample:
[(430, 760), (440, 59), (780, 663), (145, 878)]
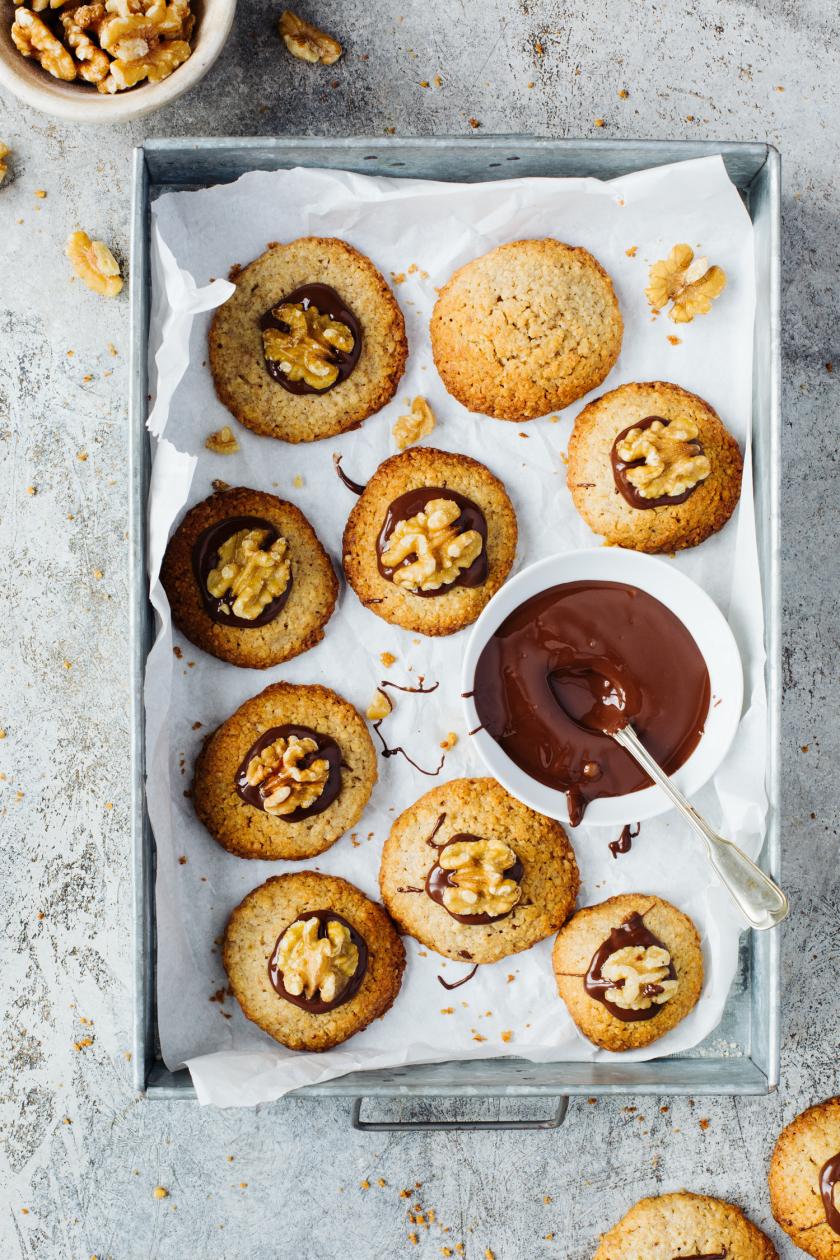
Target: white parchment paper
[(437, 227)]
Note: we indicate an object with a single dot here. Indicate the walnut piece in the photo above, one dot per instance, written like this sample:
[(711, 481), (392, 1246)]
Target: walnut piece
[(441, 552), (379, 707), (688, 283), (94, 263), (416, 425), (4, 166), (222, 442), (253, 576), (284, 785), (477, 875), (155, 65), (307, 42), (640, 977), (33, 38), (316, 965), (93, 63), (307, 351), (672, 462)]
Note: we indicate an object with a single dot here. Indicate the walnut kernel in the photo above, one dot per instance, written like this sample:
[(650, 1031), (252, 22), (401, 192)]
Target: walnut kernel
[(155, 66), (307, 42), (672, 464), (441, 552), (94, 263), (284, 785), (411, 428), (33, 38), (379, 707), (636, 970), (222, 442), (253, 576), (688, 283), (4, 166), (311, 964), (306, 351), (477, 873)]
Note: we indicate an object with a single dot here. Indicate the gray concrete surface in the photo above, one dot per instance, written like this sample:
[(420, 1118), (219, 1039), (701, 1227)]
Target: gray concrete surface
[(82, 1152)]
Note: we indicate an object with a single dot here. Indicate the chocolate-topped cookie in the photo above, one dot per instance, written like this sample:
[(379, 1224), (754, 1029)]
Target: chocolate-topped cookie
[(287, 774), (431, 539), (474, 874), (653, 468), (685, 1226), (310, 344), (805, 1180), (248, 580), (311, 959), (628, 970)]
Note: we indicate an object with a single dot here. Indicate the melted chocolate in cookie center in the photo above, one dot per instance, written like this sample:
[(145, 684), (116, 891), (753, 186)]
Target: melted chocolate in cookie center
[(632, 932), (471, 516), (439, 880), (327, 302), (316, 1004), (625, 487), (205, 558), (829, 1177), (327, 750)]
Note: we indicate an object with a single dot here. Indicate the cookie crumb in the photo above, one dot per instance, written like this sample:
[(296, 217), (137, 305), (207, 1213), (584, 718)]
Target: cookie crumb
[(599, 122), (297, 481), (507, 1035), (364, 1185), (475, 124), (632, 251), (674, 341), (160, 1192), (387, 659), (450, 741), (623, 94)]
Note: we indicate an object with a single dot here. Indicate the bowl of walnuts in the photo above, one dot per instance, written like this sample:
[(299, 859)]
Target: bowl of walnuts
[(108, 60)]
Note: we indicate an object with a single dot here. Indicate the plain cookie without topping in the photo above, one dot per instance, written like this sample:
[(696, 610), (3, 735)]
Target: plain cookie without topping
[(249, 945), (588, 930), (482, 809), (241, 377), (526, 329), (803, 1150), (685, 1226), (456, 606), (249, 831), (672, 526)]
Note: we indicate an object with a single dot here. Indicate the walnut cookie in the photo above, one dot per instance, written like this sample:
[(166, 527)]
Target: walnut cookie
[(805, 1180), (526, 329), (350, 973), (671, 444), (628, 970), (468, 851), (237, 361), (426, 566), (240, 594), (694, 1226), (287, 774)]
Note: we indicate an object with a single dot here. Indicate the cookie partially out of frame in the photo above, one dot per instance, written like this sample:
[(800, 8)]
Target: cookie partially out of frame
[(526, 329), (589, 930), (668, 526), (547, 873), (244, 826), (251, 937), (453, 605), (242, 380), (310, 594), (685, 1226), (805, 1180)]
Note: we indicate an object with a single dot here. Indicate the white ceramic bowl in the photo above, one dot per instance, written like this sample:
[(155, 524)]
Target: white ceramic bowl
[(698, 613), (80, 102)]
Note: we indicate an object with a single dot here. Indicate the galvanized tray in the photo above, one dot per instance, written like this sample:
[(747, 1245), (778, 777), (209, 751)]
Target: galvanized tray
[(741, 1056)]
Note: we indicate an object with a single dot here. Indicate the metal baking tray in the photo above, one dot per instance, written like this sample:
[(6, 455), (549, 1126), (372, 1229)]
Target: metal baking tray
[(742, 1055)]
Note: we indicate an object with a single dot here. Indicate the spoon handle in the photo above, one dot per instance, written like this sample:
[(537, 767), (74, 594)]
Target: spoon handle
[(760, 900)]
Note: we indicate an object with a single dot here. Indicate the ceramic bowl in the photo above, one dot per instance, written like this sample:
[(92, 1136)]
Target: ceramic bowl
[(80, 102), (698, 613)]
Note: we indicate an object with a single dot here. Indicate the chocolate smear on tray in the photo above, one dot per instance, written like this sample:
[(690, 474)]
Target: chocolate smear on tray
[(456, 984), (355, 486), (624, 843)]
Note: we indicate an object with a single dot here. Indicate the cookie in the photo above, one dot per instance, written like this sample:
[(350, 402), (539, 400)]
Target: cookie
[(474, 874), (430, 541), (331, 357), (287, 774), (628, 970), (312, 960), (652, 468), (805, 1180), (526, 329), (247, 579), (685, 1226)]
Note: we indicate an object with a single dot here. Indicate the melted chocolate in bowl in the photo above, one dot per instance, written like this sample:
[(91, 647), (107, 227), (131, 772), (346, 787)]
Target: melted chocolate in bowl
[(327, 750), (534, 684), (316, 1005), (414, 501), (327, 302), (205, 557)]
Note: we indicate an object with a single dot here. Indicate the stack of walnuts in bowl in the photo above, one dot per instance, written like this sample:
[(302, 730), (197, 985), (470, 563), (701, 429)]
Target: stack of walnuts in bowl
[(113, 44)]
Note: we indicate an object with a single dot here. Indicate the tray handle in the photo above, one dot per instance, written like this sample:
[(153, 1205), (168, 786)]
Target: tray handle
[(433, 1126)]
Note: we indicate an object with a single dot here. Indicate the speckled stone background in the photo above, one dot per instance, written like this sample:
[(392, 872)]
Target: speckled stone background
[(82, 1152)]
